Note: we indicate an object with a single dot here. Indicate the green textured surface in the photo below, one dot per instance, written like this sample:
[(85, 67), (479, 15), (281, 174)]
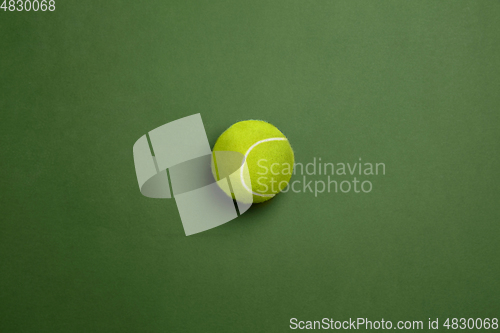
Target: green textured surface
[(412, 84)]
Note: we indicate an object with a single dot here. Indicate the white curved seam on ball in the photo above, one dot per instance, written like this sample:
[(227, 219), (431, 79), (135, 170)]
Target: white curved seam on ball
[(246, 155)]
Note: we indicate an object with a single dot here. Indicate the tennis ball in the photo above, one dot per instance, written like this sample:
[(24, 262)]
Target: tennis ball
[(268, 156)]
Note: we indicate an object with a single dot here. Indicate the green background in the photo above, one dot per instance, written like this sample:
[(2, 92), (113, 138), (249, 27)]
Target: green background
[(412, 84)]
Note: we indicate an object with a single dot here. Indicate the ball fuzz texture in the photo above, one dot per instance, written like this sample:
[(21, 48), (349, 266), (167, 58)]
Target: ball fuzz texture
[(268, 155)]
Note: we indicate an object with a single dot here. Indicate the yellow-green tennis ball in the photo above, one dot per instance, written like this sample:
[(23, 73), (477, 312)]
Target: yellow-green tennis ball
[(268, 155)]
